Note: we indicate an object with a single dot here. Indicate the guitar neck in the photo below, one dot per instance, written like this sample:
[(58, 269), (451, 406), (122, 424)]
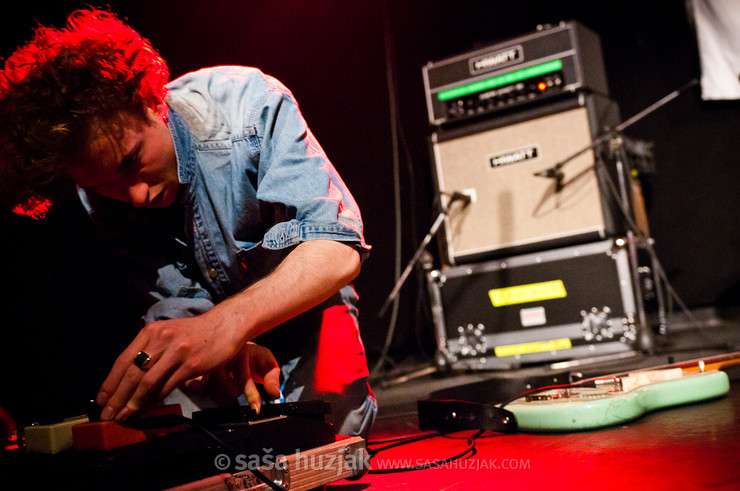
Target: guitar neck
[(710, 363), (715, 362)]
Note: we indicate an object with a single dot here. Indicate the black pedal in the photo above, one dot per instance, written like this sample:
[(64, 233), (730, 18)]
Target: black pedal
[(449, 416), (312, 410)]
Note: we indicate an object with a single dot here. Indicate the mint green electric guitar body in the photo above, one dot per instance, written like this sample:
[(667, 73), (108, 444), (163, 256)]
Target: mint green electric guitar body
[(615, 400)]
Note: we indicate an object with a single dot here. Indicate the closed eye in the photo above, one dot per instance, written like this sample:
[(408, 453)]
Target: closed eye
[(130, 162)]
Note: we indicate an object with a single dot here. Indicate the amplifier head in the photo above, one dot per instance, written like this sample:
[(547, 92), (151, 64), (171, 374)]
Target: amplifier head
[(535, 67)]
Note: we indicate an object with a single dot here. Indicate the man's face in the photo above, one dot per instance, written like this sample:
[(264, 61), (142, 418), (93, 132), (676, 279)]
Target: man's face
[(130, 159)]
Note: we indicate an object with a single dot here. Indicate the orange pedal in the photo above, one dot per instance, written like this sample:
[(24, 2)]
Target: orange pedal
[(107, 435)]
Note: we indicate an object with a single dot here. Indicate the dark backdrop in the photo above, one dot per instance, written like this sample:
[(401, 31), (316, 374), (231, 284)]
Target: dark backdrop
[(69, 310)]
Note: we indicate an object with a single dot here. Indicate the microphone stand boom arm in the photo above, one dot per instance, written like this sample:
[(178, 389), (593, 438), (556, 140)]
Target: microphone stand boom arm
[(555, 170)]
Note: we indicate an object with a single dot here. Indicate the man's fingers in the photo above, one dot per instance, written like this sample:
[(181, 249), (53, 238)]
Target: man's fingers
[(256, 364), (271, 382), (264, 368), (252, 394), (244, 372), (148, 385), (109, 386), (197, 385), (118, 400), (123, 363), (136, 388)]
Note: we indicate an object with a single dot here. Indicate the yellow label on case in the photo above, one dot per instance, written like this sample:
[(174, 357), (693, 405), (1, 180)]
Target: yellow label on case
[(534, 292), (534, 347)]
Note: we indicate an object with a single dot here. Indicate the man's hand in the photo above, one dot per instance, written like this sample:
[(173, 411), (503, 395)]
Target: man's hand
[(253, 365), (256, 364), (183, 349), (180, 349)]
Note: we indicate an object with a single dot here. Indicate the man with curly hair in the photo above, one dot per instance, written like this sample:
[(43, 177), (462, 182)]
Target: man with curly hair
[(213, 188)]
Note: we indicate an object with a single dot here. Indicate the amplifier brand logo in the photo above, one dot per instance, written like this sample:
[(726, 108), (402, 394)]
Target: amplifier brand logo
[(514, 156), (497, 59)]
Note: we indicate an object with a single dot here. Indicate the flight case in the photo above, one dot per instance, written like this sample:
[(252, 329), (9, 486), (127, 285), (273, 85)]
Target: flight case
[(567, 303)]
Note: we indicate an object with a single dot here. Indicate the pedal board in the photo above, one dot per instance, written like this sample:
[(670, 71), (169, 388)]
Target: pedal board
[(229, 448)]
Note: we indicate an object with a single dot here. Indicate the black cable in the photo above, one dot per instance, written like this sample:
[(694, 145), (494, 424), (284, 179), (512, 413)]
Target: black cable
[(469, 450), (404, 441), (392, 107), (396, 439), (475, 436)]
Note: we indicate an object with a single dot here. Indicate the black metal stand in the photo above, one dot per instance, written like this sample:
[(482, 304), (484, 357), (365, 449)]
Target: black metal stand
[(623, 197), (422, 247), (427, 263)]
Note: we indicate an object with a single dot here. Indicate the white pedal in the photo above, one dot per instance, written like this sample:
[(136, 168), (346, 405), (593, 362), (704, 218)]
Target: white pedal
[(53, 438)]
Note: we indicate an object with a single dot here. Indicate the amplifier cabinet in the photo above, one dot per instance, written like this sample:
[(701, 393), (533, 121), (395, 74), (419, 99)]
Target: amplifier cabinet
[(513, 210), (567, 303)]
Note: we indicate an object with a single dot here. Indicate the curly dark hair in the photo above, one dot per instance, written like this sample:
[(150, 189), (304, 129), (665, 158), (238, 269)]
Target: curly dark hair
[(57, 86)]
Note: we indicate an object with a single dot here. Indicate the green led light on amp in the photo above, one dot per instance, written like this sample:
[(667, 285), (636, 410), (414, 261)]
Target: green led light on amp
[(507, 78)]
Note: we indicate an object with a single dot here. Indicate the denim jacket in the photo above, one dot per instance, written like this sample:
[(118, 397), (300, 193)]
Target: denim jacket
[(255, 183)]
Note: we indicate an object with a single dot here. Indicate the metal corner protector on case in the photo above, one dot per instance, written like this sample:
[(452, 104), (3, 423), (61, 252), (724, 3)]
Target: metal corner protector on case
[(568, 303)]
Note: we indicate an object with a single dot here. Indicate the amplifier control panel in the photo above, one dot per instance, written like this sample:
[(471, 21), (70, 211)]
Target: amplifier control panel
[(521, 71)]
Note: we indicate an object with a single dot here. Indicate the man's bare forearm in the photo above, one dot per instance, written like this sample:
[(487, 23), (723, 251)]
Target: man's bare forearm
[(182, 349), (311, 273)]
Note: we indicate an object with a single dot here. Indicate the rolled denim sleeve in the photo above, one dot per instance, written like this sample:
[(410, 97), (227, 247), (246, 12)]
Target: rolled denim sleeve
[(309, 198)]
